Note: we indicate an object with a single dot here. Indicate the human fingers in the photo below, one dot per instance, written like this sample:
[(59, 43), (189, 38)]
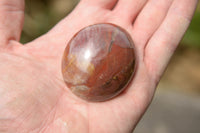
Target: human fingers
[(127, 10), (149, 19), (11, 20), (106, 4), (165, 40)]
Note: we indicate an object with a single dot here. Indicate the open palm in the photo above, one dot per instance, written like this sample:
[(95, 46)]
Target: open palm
[(33, 96)]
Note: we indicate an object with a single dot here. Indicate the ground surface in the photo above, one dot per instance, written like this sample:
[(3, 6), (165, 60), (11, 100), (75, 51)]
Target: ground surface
[(171, 113)]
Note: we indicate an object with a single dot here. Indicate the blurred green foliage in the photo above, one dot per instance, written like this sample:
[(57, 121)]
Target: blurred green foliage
[(192, 36), (42, 15)]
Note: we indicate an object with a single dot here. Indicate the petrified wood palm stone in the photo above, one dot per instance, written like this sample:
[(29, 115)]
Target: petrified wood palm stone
[(98, 62)]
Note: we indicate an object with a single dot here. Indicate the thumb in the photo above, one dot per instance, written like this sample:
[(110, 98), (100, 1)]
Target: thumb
[(11, 20)]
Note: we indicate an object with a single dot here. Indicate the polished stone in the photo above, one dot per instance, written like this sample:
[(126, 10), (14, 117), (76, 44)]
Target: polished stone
[(99, 62)]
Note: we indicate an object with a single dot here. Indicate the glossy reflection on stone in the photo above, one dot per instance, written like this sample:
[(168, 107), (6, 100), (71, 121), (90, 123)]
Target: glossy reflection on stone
[(98, 62)]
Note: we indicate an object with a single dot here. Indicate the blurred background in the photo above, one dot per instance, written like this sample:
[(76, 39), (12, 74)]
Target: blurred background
[(176, 105)]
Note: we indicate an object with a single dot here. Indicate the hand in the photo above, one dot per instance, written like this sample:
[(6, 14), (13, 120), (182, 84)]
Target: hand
[(33, 96)]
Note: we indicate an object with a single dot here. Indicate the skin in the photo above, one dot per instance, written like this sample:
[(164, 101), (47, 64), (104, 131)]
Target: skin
[(33, 96)]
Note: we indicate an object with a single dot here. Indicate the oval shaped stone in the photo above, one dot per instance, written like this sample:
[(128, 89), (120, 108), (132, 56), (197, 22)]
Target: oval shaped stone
[(99, 62)]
